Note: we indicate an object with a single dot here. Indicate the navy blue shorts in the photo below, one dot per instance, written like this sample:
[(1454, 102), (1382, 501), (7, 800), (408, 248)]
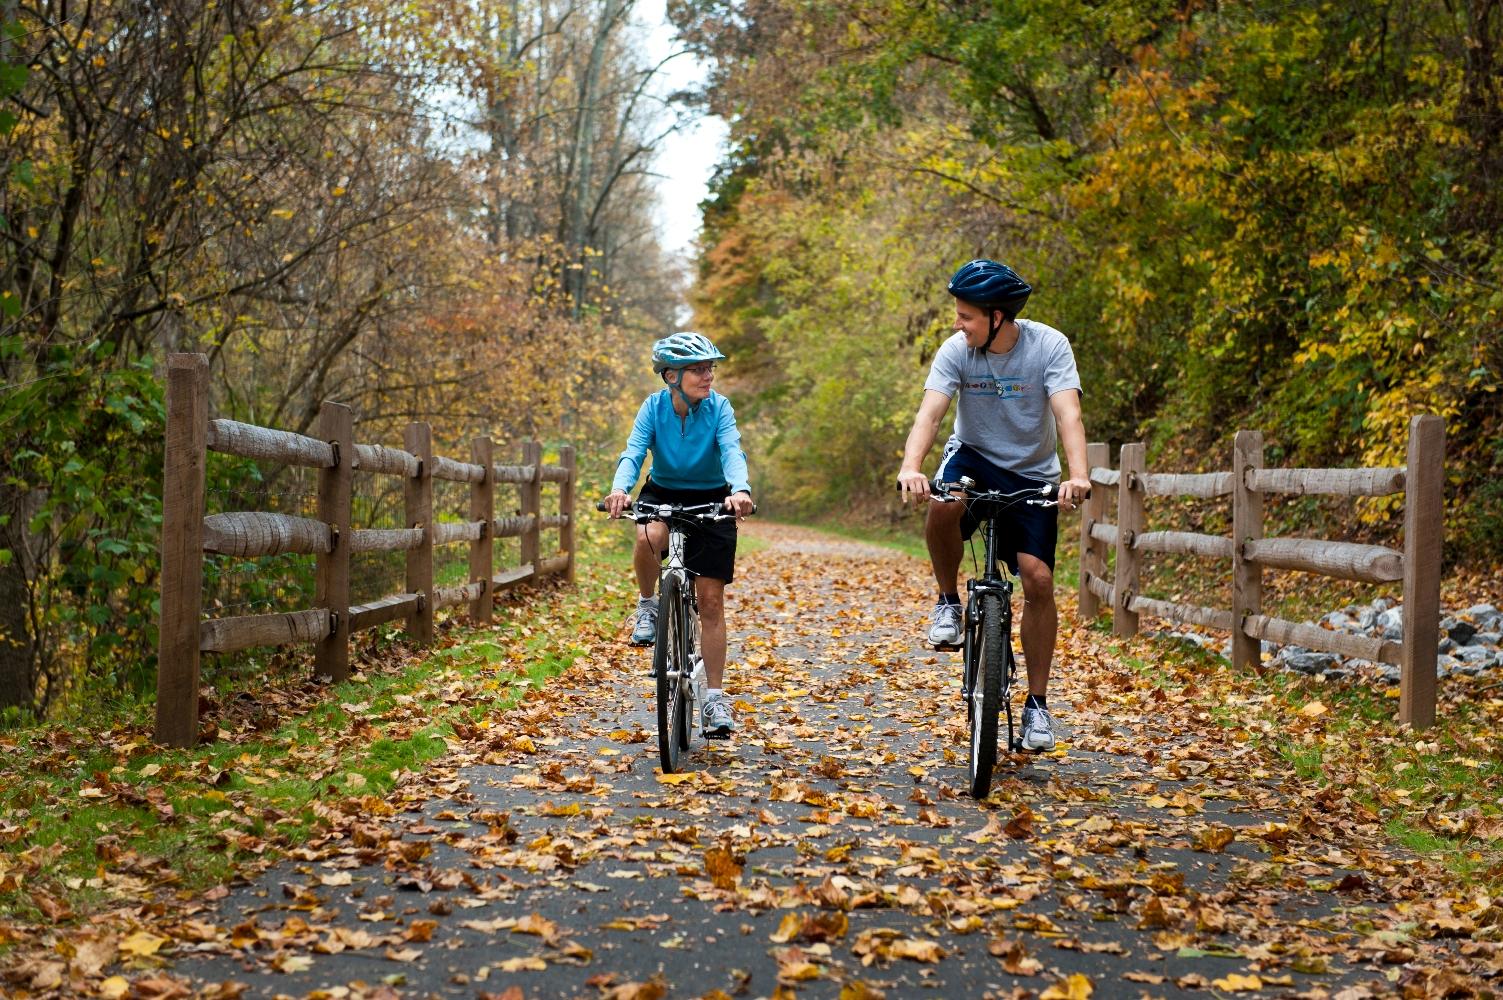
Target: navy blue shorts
[(1022, 528), (710, 547)]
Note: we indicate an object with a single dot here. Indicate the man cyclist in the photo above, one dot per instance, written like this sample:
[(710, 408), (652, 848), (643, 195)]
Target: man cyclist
[(1019, 397), (696, 458)]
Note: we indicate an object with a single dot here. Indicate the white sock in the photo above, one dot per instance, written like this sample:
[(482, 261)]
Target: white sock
[(713, 693), (647, 602)]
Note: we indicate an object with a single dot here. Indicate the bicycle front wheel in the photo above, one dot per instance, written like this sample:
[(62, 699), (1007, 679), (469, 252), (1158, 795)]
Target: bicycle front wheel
[(671, 661), (986, 695)]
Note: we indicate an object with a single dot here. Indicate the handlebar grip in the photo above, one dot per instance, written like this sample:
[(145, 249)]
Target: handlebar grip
[(600, 505)]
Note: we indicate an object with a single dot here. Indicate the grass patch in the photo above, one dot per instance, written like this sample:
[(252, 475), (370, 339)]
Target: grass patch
[(1436, 793), (94, 812)]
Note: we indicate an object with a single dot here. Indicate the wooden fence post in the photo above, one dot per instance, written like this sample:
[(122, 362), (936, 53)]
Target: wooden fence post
[(566, 491), (1092, 552), (419, 502), (331, 657), (1129, 522), (532, 504), (182, 548), (483, 508), (1247, 526), (1423, 535)]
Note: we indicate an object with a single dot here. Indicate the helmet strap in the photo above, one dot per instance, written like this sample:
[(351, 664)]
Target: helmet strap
[(995, 327), (678, 387)]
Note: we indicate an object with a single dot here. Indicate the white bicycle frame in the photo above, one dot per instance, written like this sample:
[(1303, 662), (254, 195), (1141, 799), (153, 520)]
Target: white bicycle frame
[(675, 566)]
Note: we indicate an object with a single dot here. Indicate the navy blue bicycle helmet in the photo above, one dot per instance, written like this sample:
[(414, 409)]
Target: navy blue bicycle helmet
[(990, 285)]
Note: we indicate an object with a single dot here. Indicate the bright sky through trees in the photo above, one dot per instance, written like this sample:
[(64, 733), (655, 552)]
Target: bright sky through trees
[(688, 157)]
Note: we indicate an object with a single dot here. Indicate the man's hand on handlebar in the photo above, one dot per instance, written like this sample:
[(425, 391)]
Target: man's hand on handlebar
[(740, 504), (913, 483), (1072, 492), (616, 502)]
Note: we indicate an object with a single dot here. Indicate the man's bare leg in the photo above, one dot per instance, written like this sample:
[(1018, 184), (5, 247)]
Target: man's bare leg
[(942, 533), (1040, 621)]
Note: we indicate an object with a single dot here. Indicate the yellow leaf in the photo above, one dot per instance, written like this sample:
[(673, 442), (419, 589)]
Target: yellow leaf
[(677, 779), (1314, 710), (142, 943), (528, 963), (1236, 981), (1077, 987), (282, 213), (114, 987)]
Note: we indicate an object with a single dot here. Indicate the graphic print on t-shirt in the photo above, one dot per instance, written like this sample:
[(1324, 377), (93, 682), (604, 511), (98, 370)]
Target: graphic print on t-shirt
[(1003, 387)]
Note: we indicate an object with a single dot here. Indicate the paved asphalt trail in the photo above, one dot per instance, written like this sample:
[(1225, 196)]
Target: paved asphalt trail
[(829, 844)]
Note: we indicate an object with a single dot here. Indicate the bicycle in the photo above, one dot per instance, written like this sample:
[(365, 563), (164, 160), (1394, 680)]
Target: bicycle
[(677, 664), (990, 673)]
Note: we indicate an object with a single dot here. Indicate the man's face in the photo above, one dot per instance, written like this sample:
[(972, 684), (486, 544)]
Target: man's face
[(974, 322)]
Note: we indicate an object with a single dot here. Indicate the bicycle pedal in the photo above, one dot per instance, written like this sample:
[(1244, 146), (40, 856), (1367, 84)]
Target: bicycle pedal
[(719, 734), (948, 649), (640, 645)]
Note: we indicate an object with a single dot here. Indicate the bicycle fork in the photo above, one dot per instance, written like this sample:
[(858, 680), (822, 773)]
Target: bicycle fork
[(972, 625)]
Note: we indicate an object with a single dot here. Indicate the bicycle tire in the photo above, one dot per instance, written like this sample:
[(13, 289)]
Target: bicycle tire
[(1009, 689), (686, 724), (669, 663), (986, 696)]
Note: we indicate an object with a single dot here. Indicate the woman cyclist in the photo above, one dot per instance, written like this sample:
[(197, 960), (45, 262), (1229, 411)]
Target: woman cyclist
[(696, 458)]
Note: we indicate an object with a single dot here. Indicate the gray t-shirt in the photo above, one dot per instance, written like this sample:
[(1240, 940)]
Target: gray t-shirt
[(1003, 411)]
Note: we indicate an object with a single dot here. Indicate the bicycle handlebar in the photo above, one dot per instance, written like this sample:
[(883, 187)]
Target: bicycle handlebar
[(1045, 494), (643, 512)]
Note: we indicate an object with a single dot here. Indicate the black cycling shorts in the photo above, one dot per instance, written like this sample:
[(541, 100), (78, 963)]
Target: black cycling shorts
[(1022, 527), (710, 546)]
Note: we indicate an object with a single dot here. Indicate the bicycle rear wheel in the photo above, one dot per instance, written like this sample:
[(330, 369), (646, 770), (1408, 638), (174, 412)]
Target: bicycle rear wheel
[(986, 694), (671, 662)]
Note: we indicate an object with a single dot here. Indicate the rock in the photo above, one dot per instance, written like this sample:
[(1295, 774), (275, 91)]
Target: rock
[(1445, 645), (1382, 604), (1487, 639), (1311, 663), (1339, 621), (1474, 654), (1336, 674), (1391, 618), (1393, 633), (1460, 632), (1477, 611), (1389, 673), (1366, 618)]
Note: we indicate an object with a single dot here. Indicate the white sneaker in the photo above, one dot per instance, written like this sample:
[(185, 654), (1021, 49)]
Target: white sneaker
[(944, 627), (1038, 728), (646, 631), (716, 720)]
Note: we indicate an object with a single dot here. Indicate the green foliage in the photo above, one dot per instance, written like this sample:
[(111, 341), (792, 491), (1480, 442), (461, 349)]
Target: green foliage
[(85, 438), (1243, 215)]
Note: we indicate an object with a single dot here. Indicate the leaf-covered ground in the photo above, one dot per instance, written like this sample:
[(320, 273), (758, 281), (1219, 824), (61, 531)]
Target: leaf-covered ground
[(1167, 848)]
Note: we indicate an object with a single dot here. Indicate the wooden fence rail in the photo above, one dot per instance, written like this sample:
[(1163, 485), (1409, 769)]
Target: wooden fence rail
[(1249, 552), (187, 534)]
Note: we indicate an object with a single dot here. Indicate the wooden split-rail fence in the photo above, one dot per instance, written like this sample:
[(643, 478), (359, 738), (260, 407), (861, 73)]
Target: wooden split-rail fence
[(187, 534), (1420, 480)]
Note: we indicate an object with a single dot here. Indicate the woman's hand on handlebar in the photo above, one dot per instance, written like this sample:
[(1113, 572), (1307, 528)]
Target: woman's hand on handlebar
[(914, 483), (740, 504), (615, 502)]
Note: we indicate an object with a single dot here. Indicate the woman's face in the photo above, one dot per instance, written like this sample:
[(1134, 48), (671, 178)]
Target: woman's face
[(695, 381)]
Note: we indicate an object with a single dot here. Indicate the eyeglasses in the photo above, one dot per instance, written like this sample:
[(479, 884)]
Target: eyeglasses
[(701, 371)]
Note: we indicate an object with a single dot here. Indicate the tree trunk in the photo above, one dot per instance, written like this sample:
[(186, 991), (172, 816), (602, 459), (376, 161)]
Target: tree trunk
[(16, 644)]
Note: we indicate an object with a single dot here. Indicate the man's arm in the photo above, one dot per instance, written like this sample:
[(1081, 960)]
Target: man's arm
[(1067, 420), (911, 478)]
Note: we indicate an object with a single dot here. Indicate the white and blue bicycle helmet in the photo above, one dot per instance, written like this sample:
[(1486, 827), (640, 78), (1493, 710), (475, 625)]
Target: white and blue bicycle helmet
[(682, 350)]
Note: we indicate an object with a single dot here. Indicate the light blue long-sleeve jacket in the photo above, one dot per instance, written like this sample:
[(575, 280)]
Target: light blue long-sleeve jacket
[(700, 452)]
